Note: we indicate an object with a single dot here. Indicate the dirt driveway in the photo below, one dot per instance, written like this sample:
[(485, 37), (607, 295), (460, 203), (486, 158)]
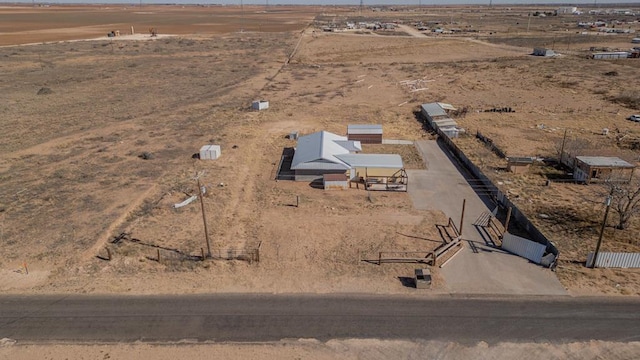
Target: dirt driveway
[(480, 268)]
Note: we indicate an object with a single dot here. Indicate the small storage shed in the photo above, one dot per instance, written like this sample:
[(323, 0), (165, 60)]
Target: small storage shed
[(519, 165), (422, 278), (543, 52), (209, 152), (335, 181), (602, 168), (366, 134), (260, 105)]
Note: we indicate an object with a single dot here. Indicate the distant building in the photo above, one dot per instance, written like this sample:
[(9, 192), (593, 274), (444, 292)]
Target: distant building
[(366, 134), (260, 105), (519, 165), (543, 52), (602, 168), (438, 118), (566, 10), (210, 152), (610, 55)]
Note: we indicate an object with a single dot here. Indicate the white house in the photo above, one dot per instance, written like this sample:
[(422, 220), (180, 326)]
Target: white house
[(566, 10)]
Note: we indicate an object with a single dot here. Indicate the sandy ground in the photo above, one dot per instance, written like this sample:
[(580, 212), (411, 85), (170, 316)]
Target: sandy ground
[(334, 349), (71, 185), (71, 182)]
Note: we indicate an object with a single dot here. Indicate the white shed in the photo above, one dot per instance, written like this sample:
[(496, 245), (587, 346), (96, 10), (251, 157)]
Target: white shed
[(260, 105), (209, 152)]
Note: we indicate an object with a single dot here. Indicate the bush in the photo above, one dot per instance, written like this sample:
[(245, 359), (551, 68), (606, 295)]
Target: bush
[(630, 98)]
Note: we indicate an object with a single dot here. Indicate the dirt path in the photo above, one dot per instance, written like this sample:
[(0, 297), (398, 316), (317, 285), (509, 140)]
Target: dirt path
[(102, 240), (411, 31)]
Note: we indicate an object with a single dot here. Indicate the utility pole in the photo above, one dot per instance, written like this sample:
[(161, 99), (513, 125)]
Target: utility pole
[(564, 139), (204, 216), (607, 202), (528, 22)]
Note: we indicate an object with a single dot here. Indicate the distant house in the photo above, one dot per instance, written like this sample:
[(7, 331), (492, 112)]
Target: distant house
[(543, 52), (602, 168)]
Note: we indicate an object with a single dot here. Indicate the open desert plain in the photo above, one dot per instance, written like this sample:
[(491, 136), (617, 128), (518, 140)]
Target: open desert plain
[(99, 135)]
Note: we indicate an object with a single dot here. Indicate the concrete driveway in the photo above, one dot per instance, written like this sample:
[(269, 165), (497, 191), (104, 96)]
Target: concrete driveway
[(480, 268)]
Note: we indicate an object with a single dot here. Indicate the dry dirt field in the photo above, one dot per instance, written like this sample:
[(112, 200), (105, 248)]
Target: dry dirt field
[(98, 138)]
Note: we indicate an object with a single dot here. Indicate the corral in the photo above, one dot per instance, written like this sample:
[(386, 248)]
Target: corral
[(71, 185)]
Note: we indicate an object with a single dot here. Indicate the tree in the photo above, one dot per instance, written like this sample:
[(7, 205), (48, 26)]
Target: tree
[(625, 200)]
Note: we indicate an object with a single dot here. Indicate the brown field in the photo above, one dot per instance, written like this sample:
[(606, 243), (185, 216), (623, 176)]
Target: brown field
[(73, 177)]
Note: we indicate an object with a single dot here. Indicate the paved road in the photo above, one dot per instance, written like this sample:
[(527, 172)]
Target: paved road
[(256, 318), (480, 268)]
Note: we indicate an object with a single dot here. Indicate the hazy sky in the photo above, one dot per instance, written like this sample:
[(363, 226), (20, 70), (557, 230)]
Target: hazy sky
[(330, 2)]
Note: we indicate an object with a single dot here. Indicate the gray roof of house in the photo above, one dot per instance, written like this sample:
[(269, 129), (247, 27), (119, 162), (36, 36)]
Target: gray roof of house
[(364, 129), (318, 151), (373, 160), (434, 109), (604, 161)]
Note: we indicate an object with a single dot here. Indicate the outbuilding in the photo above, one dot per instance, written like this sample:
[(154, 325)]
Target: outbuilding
[(438, 118), (210, 152), (602, 168), (519, 165), (366, 134), (260, 105), (335, 181), (610, 55), (543, 52)]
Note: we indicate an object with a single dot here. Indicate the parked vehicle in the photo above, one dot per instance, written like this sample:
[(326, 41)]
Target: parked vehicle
[(635, 117)]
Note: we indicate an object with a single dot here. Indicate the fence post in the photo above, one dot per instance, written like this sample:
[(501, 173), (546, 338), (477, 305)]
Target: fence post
[(202, 253), (158, 253), (108, 254), (506, 221), (464, 203), (297, 201), (379, 258)]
